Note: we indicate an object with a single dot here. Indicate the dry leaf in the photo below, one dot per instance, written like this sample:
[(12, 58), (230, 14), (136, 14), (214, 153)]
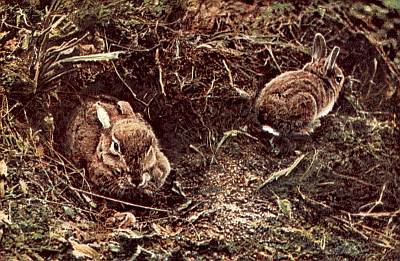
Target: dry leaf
[(24, 186), (122, 219), (2, 189), (82, 250), (98, 57), (3, 175), (3, 169), (285, 206), (283, 172), (25, 257), (40, 151), (4, 218), (11, 44), (165, 231), (92, 204)]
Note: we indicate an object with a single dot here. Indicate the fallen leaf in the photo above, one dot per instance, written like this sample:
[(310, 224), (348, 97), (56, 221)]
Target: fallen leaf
[(4, 218), (122, 219), (284, 172), (92, 204), (2, 189), (82, 250), (285, 206), (69, 212), (165, 231), (3, 169), (24, 186), (40, 152)]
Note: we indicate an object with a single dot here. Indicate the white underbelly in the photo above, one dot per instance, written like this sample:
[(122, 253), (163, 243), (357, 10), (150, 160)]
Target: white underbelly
[(326, 109)]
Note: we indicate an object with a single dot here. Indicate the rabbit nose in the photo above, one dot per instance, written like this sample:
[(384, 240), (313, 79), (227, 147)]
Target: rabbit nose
[(129, 178), (145, 179)]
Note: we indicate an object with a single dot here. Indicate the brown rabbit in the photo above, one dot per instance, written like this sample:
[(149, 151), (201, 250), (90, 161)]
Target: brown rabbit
[(118, 148), (293, 102)]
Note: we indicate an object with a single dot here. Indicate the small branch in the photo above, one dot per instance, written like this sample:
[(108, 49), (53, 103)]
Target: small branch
[(160, 72), (371, 79), (128, 87), (241, 93), (377, 214), (273, 58), (120, 201), (283, 172)]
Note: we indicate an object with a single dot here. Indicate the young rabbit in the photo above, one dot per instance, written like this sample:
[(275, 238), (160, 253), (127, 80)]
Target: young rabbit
[(118, 148), (293, 102)]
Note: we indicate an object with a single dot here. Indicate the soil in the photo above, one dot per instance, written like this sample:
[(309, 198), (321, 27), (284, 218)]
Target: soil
[(193, 69)]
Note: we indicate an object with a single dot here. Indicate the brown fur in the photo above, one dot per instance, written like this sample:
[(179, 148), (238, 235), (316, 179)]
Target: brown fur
[(293, 101), (136, 165)]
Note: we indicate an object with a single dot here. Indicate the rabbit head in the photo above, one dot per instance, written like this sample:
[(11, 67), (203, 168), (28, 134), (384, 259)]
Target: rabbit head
[(325, 66), (293, 101), (127, 158)]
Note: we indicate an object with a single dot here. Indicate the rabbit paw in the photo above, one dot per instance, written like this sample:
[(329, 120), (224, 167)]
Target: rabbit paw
[(122, 220)]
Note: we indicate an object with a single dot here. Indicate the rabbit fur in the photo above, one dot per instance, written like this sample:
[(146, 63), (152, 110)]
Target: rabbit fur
[(293, 102), (117, 147)]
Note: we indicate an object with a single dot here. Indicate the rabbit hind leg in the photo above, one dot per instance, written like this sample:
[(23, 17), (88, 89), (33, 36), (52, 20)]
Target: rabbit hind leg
[(303, 113)]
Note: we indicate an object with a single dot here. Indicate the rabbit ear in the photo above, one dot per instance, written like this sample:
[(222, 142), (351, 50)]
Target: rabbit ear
[(149, 159), (125, 108), (331, 60), (103, 116), (319, 47)]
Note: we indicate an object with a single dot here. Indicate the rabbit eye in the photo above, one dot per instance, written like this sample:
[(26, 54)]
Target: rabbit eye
[(338, 78), (119, 108), (115, 147)]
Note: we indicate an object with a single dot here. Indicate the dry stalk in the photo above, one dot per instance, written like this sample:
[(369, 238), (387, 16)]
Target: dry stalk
[(368, 233), (377, 202), (283, 172), (128, 87), (228, 134), (119, 201), (241, 92), (160, 72), (273, 58)]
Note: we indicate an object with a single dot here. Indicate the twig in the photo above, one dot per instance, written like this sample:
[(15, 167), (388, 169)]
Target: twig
[(241, 93), (377, 202), (160, 72), (283, 172), (273, 58), (377, 214), (371, 79), (128, 87), (381, 239), (227, 134), (119, 201)]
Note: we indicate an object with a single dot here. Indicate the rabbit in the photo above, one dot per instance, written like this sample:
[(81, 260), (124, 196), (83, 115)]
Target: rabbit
[(118, 148), (293, 102)]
